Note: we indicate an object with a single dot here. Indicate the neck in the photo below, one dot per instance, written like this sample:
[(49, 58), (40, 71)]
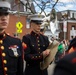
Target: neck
[(36, 32), (1, 31)]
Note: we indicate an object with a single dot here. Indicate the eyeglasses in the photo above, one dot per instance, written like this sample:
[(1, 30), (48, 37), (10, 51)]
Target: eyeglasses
[(5, 14)]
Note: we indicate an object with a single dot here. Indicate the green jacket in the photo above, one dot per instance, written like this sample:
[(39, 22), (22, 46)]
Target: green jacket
[(60, 48)]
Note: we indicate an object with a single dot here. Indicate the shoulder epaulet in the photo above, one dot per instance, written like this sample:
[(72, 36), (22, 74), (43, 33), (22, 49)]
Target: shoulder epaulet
[(12, 36)]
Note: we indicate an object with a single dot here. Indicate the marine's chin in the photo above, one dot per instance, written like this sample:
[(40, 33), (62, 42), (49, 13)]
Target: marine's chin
[(3, 27)]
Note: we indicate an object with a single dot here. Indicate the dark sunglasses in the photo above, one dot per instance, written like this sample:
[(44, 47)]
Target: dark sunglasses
[(5, 14)]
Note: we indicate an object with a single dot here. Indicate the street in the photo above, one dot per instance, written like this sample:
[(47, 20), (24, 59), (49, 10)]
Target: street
[(50, 69)]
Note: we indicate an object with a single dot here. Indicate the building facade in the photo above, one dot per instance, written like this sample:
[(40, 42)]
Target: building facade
[(67, 23)]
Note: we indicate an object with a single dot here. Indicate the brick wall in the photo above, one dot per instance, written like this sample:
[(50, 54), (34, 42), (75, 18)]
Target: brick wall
[(12, 25), (69, 27)]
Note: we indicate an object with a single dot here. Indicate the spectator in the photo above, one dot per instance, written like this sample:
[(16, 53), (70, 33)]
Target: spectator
[(67, 65)]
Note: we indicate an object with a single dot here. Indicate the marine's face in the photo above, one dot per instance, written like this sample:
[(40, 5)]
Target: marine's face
[(4, 20), (36, 27)]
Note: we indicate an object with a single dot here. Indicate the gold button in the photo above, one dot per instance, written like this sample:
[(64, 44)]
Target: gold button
[(3, 54), (36, 56), (33, 45), (39, 48), (39, 56), (38, 40), (39, 52), (32, 57), (27, 64), (1, 41), (44, 45), (5, 68), (2, 47), (4, 61), (38, 44)]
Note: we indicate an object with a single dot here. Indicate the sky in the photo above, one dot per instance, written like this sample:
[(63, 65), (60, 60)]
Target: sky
[(67, 5), (60, 6)]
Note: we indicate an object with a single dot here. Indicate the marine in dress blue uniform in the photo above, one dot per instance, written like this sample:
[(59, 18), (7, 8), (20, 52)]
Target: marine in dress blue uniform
[(36, 44), (11, 60)]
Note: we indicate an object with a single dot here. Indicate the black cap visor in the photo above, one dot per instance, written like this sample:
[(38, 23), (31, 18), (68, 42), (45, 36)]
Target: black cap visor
[(37, 21), (4, 10)]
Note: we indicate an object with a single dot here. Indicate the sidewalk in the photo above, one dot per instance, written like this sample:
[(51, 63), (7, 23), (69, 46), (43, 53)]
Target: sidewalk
[(51, 68)]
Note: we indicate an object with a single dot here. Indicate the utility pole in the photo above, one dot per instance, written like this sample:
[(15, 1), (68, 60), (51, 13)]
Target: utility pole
[(65, 25), (18, 13), (65, 28)]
